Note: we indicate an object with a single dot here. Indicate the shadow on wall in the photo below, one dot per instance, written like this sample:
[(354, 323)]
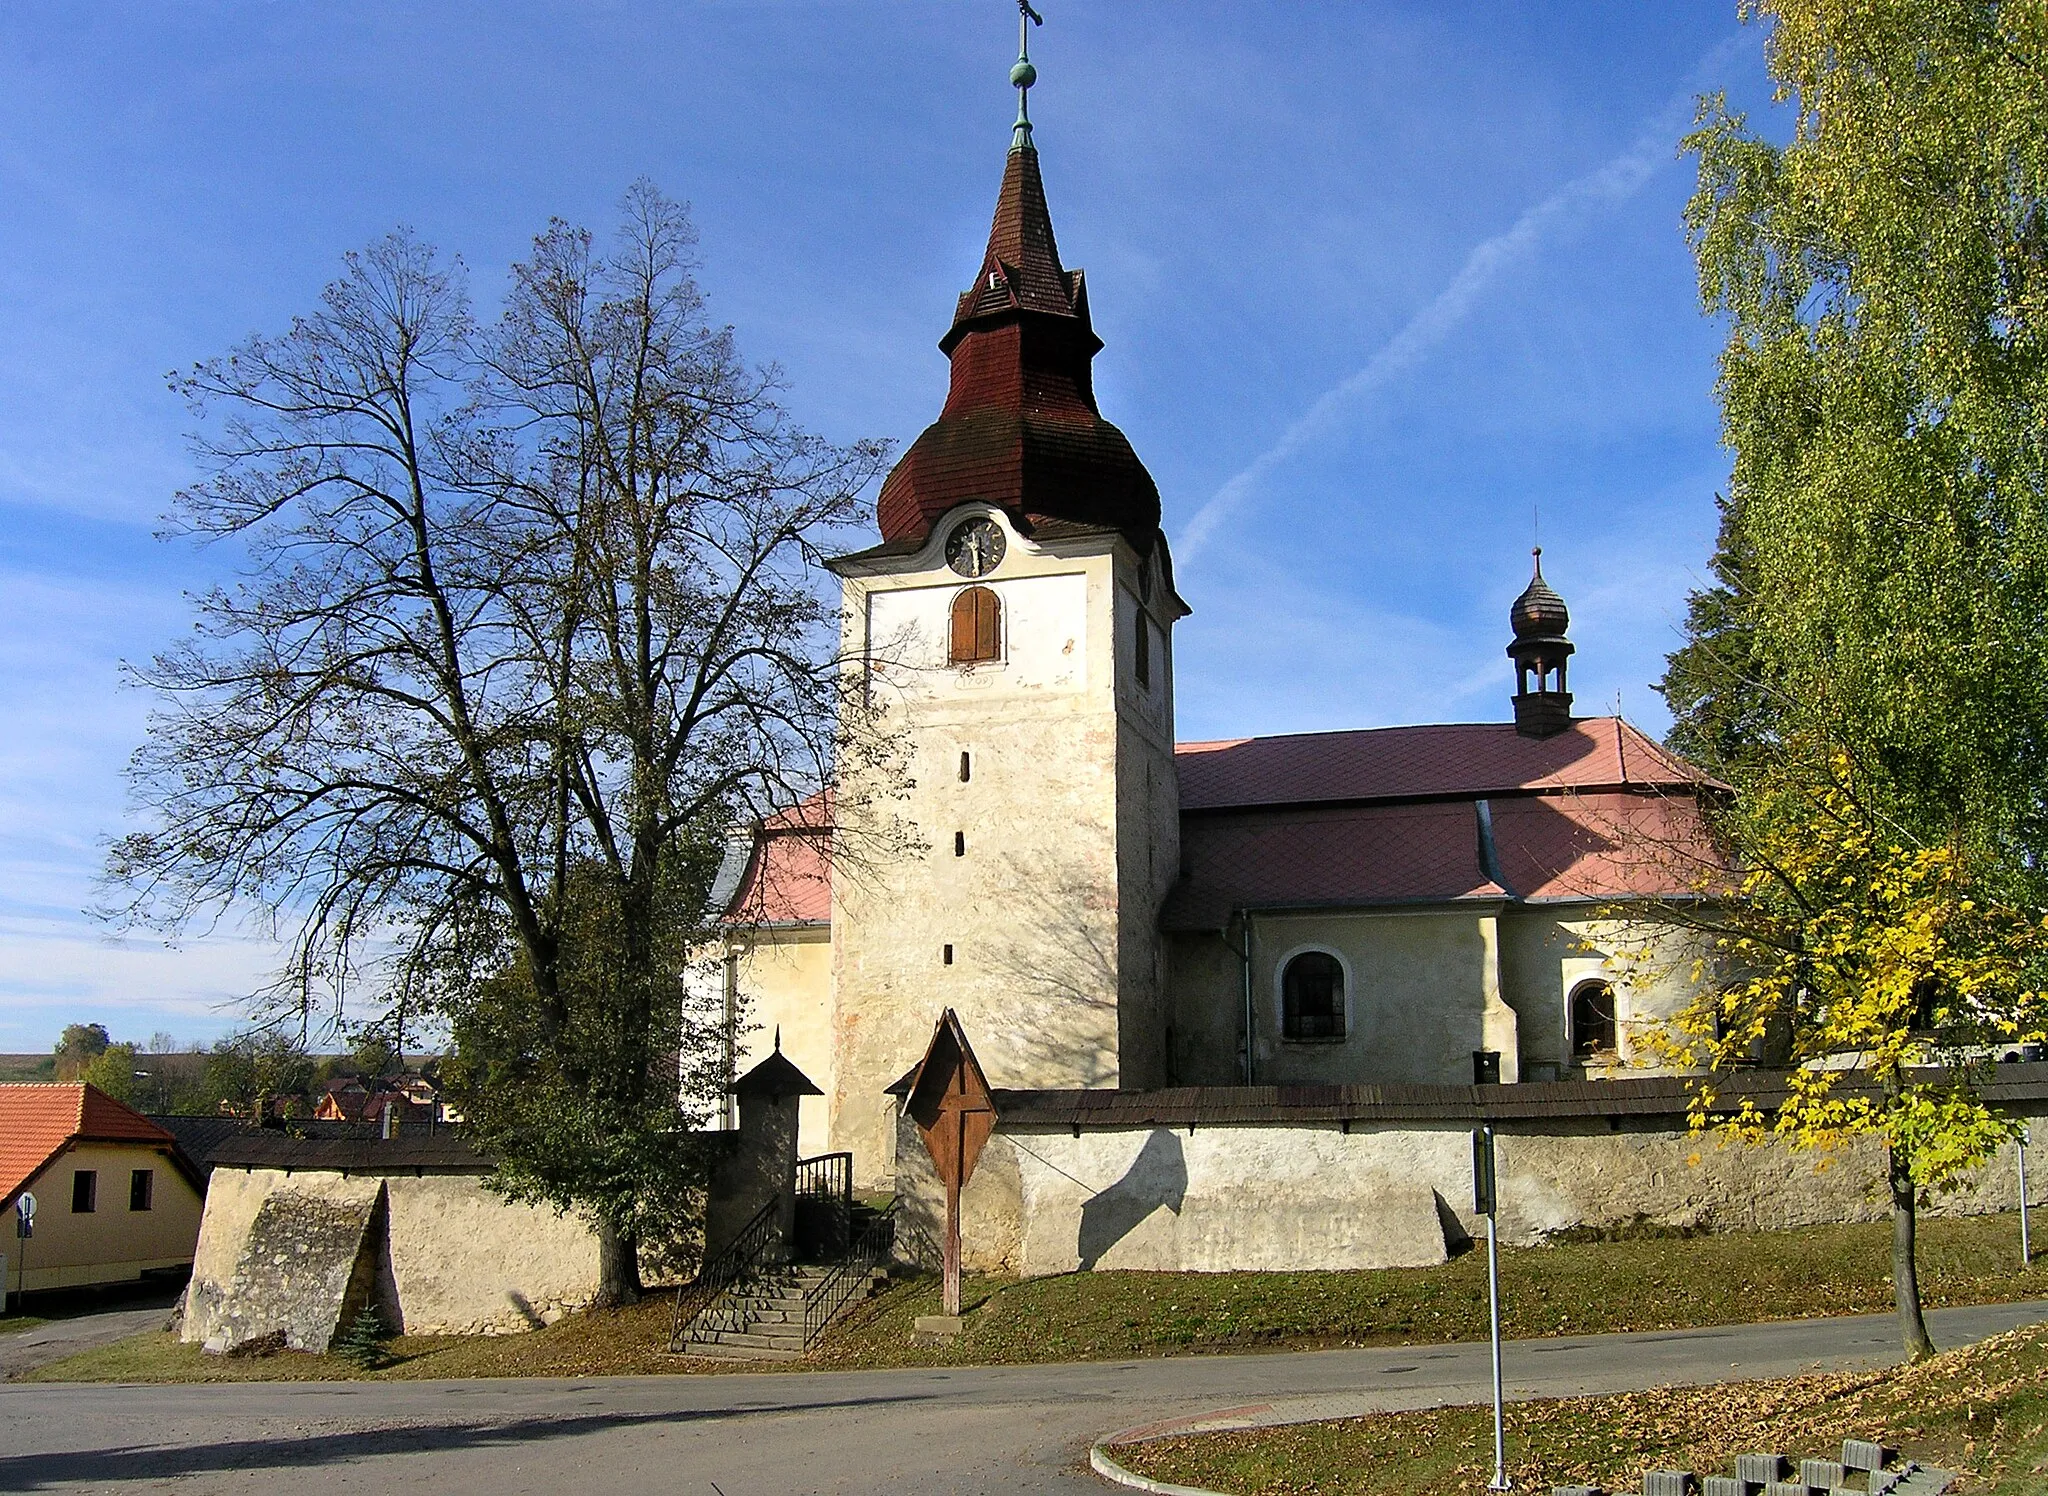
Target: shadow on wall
[(1157, 1176), (1055, 954)]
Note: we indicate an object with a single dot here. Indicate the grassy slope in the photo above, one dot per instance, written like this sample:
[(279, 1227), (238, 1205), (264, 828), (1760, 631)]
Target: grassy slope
[(1983, 1410), (1579, 1288)]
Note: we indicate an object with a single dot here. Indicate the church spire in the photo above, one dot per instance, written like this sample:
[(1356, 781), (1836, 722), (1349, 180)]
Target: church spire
[(1539, 619), (1020, 428)]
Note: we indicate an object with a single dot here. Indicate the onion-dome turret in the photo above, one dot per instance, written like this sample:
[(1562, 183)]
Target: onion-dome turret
[(1540, 650)]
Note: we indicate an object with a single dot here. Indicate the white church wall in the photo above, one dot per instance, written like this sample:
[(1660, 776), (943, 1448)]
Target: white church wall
[(1160, 1199), (1204, 982), (1278, 1197), (1546, 952), (1044, 637), (1418, 993), (1148, 833), (784, 980), (1418, 989)]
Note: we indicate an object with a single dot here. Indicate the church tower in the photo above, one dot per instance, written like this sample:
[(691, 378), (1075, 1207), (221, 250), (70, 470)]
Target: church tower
[(1013, 632)]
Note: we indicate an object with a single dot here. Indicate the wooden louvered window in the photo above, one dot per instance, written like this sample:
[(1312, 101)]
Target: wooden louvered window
[(977, 627)]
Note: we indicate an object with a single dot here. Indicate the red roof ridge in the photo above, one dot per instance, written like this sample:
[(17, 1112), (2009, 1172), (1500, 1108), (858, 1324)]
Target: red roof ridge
[(40, 1119), (1441, 760)]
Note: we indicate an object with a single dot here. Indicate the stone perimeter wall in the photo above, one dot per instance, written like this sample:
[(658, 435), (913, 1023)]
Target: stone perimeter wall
[(461, 1260), (1277, 1197)]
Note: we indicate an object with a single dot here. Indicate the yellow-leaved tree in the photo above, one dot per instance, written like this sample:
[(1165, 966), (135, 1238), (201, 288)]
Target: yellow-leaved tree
[(1882, 975)]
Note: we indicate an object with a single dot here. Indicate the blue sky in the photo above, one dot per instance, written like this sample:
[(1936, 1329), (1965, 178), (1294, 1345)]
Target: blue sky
[(1378, 281)]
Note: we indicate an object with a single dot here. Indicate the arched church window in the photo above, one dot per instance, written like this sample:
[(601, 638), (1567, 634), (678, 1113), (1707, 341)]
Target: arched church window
[(1595, 1033), (977, 627), (1312, 997)]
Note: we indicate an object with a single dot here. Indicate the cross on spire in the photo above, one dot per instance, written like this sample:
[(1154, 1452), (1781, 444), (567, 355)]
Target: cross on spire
[(1023, 74)]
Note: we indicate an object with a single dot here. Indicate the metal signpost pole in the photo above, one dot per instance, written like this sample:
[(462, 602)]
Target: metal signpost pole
[(2026, 1249), (1484, 1197), (24, 1228)]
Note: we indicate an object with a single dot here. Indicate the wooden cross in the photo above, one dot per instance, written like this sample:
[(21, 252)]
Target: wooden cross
[(954, 1111)]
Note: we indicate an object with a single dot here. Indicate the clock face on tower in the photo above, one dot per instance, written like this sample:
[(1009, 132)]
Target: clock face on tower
[(976, 548)]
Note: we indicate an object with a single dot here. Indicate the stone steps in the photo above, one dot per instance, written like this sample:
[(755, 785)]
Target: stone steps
[(773, 1318)]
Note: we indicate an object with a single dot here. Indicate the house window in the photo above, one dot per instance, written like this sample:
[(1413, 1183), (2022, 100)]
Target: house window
[(1142, 657), (1312, 997), (977, 627), (141, 1189), (85, 1191), (1594, 1031)]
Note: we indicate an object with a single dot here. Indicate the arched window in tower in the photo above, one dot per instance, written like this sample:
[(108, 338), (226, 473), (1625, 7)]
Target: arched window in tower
[(1595, 1033), (977, 627), (1312, 997)]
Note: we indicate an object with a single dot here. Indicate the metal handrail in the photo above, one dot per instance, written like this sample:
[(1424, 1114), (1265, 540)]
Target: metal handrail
[(852, 1273), (737, 1265), (828, 1180)]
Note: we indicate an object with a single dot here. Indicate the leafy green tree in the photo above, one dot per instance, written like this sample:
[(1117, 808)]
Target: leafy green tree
[(112, 1070), (80, 1043), (596, 1120), (373, 1054), (1870, 668), (1885, 393), (247, 1072), (1724, 715)]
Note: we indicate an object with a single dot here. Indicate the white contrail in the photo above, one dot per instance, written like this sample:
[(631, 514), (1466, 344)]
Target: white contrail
[(1610, 183)]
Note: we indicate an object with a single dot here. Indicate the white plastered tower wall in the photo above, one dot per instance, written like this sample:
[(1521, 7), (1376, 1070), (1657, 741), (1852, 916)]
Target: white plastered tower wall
[(1043, 868)]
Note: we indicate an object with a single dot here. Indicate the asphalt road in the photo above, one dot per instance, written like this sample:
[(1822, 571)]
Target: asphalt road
[(961, 1432)]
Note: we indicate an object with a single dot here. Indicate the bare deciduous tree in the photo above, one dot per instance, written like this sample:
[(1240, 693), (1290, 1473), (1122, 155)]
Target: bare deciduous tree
[(530, 619)]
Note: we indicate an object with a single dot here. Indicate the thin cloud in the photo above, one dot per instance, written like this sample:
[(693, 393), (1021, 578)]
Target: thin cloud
[(1612, 182)]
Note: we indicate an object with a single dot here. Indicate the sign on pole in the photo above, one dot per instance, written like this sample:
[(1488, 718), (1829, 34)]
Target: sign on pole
[(1486, 1200), (25, 1215), (955, 1113)]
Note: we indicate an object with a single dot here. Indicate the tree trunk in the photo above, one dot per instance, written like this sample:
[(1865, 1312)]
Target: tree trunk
[(618, 1267), (1905, 1273)]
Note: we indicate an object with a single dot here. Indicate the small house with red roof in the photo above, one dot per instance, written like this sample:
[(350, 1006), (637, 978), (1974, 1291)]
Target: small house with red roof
[(116, 1198), (1109, 910)]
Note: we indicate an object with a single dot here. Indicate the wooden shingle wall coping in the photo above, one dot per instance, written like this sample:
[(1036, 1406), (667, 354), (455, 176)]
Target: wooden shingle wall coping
[(2020, 1087)]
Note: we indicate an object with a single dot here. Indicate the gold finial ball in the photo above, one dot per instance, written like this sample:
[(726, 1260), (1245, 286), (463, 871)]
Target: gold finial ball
[(1023, 75)]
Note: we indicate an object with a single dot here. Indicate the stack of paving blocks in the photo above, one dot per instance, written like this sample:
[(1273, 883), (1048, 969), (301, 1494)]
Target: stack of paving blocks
[(1865, 1469)]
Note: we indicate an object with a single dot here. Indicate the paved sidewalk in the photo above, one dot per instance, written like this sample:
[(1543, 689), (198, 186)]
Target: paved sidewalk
[(24, 1350), (955, 1432)]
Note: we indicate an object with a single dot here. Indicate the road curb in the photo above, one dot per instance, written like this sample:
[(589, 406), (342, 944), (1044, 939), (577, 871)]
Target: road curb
[(1104, 1464), (1109, 1469)]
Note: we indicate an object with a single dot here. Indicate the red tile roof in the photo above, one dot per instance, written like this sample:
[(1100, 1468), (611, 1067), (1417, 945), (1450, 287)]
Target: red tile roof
[(37, 1122), (789, 880), (1464, 760), (1380, 816), (1561, 846)]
